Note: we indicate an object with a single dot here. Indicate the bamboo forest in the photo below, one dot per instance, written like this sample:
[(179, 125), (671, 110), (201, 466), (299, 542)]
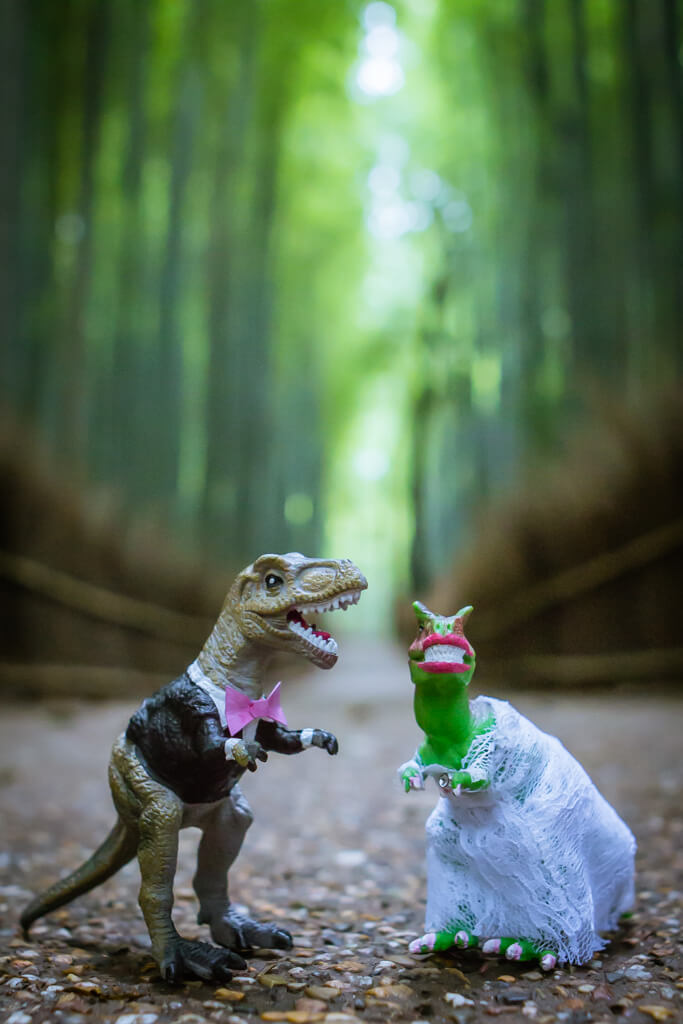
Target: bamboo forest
[(333, 276)]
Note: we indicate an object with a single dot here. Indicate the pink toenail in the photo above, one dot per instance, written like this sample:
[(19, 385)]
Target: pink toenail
[(426, 942), (548, 962), (513, 952), (462, 940), (491, 946)]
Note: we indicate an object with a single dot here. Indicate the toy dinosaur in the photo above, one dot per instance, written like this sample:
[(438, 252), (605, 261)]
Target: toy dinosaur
[(525, 858), (184, 751)]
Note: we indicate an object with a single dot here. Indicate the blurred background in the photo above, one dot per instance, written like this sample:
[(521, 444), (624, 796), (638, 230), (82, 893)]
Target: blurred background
[(399, 282)]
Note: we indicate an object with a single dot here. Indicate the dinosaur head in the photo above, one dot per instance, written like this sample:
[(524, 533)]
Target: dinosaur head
[(274, 601), (440, 648)]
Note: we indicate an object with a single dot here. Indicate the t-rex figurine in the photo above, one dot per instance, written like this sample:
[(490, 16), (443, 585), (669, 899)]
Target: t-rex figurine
[(525, 858), (179, 761)]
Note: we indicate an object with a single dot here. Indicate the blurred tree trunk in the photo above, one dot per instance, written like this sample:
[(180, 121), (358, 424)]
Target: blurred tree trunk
[(164, 384), (638, 103), (592, 348), (259, 427), (126, 460), (74, 349), (673, 77), (221, 506), (13, 364), (533, 270)]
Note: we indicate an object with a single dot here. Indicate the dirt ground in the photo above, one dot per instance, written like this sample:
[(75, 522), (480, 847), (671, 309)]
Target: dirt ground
[(336, 854)]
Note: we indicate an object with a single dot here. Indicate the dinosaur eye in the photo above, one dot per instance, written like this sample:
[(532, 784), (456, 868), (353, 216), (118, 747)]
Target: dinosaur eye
[(273, 581)]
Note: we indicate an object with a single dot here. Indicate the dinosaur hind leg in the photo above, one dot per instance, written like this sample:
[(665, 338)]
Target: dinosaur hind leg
[(116, 850), (159, 825), (223, 831)]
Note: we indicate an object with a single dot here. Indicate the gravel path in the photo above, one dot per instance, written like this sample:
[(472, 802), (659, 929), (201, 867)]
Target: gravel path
[(336, 855)]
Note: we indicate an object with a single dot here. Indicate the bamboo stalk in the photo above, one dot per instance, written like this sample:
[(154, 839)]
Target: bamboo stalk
[(101, 682), (100, 603), (570, 583)]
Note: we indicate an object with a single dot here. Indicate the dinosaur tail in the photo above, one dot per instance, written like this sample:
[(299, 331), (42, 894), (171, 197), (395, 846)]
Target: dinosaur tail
[(117, 849)]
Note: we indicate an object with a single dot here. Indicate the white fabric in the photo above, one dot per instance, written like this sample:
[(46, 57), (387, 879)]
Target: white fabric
[(306, 737), (217, 695), (538, 855)]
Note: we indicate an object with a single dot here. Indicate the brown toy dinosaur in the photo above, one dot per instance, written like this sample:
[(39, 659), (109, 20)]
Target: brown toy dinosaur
[(178, 763)]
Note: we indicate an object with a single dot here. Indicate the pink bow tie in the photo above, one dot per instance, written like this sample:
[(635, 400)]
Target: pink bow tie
[(240, 709)]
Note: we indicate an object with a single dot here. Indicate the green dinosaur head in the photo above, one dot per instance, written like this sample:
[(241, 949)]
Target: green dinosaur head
[(440, 648)]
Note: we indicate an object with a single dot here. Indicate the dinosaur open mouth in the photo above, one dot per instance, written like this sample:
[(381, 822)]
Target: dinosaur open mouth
[(318, 638), (441, 655)]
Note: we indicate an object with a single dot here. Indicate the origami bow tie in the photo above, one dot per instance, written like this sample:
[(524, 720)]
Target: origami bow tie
[(240, 709)]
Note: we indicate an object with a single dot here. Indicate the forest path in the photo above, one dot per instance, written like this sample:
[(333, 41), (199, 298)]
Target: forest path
[(336, 853)]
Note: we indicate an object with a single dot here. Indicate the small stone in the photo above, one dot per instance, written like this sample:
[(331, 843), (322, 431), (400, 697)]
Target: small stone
[(19, 1017), (231, 995), (303, 1016), (391, 991), (658, 1012), (322, 992), (636, 972), (272, 980), (457, 999), (613, 976), (311, 1005), (586, 989), (514, 996)]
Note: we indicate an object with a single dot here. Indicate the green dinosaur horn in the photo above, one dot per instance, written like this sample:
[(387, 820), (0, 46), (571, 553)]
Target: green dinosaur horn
[(422, 612), (463, 613)]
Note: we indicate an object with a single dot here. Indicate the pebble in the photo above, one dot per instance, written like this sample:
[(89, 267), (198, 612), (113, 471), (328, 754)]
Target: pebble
[(457, 999), (514, 996), (137, 1018), (636, 972)]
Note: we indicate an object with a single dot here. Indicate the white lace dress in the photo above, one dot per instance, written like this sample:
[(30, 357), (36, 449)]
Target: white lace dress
[(538, 855)]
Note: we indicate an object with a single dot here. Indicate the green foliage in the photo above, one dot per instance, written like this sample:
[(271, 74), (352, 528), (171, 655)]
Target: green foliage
[(292, 274)]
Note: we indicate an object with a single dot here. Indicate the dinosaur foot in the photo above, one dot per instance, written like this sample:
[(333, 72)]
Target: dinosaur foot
[(186, 958), (435, 942), (520, 949), (236, 931)]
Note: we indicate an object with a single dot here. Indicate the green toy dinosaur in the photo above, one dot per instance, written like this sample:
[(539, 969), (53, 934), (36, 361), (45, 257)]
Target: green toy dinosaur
[(180, 759), (525, 858)]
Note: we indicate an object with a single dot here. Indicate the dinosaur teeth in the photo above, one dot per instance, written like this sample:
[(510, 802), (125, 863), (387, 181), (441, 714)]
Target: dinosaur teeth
[(445, 653), (342, 601), (322, 643)]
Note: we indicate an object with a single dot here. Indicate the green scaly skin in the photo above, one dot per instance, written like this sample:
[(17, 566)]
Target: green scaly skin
[(442, 710)]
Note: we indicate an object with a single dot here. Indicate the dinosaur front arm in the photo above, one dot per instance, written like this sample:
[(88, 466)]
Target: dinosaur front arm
[(210, 743), (275, 737)]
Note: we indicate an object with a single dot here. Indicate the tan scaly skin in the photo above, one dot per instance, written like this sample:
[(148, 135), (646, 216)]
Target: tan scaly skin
[(267, 610)]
